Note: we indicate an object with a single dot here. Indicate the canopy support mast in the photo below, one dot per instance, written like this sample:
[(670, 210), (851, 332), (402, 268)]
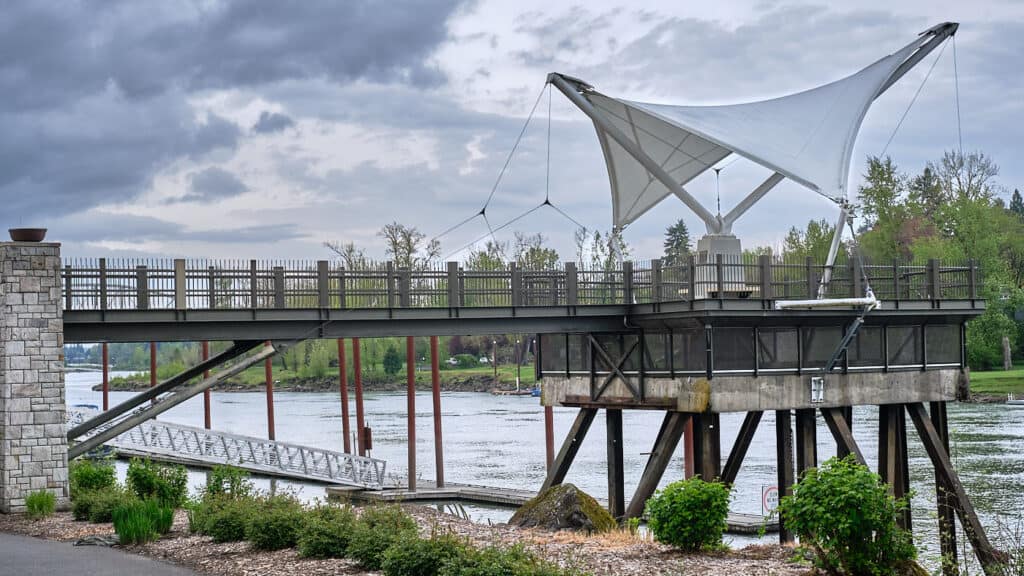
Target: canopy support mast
[(710, 220)]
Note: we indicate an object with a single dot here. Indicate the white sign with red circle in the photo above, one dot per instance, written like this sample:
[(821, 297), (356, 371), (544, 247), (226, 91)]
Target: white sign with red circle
[(769, 499)]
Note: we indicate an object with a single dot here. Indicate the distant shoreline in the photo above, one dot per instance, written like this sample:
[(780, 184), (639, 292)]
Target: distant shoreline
[(467, 384)]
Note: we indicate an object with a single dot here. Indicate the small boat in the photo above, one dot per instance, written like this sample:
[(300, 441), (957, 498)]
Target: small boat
[(1014, 401), (535, 392)]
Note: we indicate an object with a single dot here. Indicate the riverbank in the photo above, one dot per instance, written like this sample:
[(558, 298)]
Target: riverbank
[(615, 554), (473, 383)]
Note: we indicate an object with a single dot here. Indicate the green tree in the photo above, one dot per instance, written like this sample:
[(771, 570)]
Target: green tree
[(530, 252), (813, 241), (408, 247), (1017, 203), (888, 209), (677, 244), (392, 361), (490, 257)]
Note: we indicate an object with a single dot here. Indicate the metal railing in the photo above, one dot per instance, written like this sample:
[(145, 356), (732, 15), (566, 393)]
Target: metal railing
[(127, 284), (163, 440)]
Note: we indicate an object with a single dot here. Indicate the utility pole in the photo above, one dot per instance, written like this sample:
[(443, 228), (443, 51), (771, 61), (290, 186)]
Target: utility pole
[(494, 359)]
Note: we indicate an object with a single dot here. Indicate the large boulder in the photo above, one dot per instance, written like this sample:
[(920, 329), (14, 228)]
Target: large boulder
[(564, 507)]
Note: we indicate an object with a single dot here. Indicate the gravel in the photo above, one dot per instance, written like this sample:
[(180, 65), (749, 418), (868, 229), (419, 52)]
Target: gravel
[(618, 553)]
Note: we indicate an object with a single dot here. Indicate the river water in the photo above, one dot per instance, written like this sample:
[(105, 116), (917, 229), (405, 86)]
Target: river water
[(499, 441)]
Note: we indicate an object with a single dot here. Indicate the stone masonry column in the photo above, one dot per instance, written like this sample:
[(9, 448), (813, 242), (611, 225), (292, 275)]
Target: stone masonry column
[(33, 440)]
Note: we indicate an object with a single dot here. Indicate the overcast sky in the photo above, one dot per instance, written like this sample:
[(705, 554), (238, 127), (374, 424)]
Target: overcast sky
[(253, 130)]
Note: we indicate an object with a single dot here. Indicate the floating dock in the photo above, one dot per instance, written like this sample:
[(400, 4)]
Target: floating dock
[(507, 497)]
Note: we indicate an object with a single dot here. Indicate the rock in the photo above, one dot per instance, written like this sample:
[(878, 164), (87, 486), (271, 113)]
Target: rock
[(98, 540), (564, 507)]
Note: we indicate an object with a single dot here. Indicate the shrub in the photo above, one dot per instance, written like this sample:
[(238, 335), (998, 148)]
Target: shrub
[(376, 530), (168, 484), (142, 521), (274, 524), (40, 504), (326, 532), (413, 556), (98, 505), (689, 514), (494, 561), (85, 475), (228, 480), (846, 515), (228, 518)]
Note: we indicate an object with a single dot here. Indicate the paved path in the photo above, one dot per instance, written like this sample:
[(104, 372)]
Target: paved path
[(25, 556)]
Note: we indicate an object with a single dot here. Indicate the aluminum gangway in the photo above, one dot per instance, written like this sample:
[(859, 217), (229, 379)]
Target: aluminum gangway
[(166, 441)]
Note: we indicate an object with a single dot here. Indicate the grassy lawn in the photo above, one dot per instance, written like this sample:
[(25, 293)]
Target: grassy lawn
[(999, 381)]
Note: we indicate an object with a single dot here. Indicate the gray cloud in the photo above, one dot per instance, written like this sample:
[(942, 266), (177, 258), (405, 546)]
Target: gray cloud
[(270, 122), (94, 97), (212, 184), (94, 226)]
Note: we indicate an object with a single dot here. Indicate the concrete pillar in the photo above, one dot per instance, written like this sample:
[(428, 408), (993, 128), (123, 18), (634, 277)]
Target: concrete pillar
[(33, 441)]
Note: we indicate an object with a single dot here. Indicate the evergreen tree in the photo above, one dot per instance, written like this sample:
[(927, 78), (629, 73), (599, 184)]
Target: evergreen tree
[(677, 244), (392, 361), (1017, 203)]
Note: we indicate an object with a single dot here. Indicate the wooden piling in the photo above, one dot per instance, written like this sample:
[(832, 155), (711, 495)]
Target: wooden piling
[(616, 476), (661, 453), (106, 377), (571, 445), (892, 454), (346, 432), (784, 463), (688, 449), (946, 511), (988, 557), (435, 389), (410, 407), (268, 374), (207, 394), (806, 441), (357, 375), (549, 437)]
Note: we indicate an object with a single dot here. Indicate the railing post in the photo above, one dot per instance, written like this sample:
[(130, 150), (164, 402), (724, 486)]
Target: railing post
[(405, 288), (764, 263), (811, 284), (720, 275), (934, 283), (323, 283), (279, 287), (103, 283), (389, 283), (691, 277), (141, 288), (67, 287), (627, 283), (656, 280), (553, 287), (341, 288), (254, 284), (972, 279), (453, 284), (211, 287), (572, 295), (180, 301), (895, 279), (517, 284)]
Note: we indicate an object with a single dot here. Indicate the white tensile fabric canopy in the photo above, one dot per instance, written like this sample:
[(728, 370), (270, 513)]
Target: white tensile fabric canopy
[(807, 137)]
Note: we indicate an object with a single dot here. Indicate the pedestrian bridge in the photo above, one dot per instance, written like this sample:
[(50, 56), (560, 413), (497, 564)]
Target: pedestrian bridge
[(131, 300)]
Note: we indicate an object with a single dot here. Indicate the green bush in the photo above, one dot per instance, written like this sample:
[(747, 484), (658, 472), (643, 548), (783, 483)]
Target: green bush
[(98, 505), (142, 521), (846, 516), (376, 530), (168, 484), (494, 561), (85, 475), (274, 524), (40, 504), (413, 556), (689, 514), (226, 519), (230, 481), (326, 532)]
